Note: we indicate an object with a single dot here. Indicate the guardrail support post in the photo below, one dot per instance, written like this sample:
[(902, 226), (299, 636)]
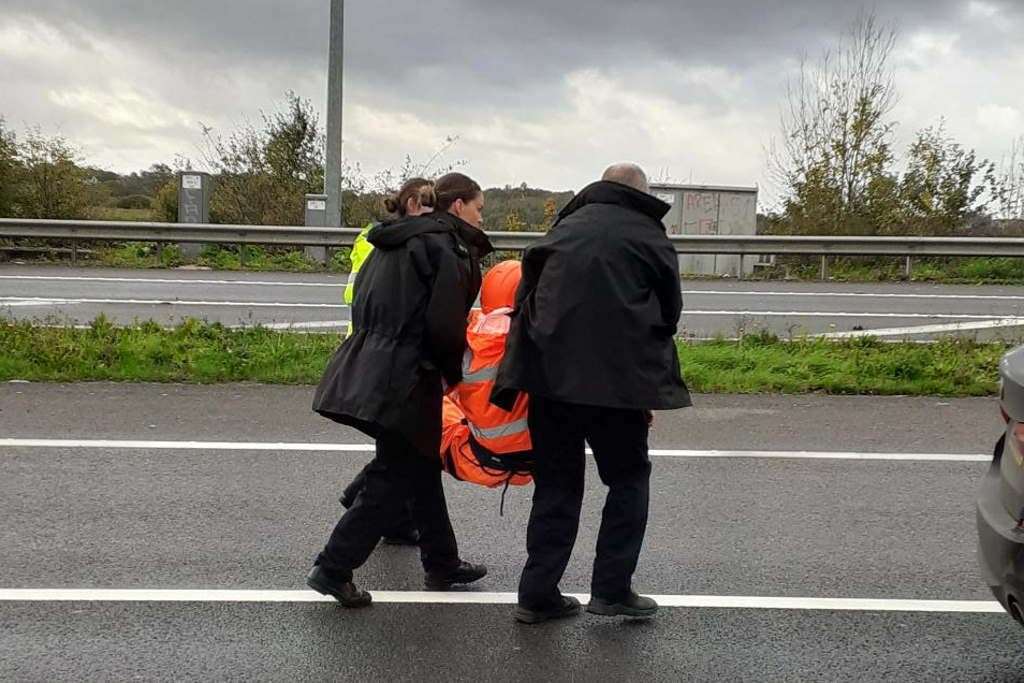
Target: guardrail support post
[(241, 254), (909, 267), (74, 253), (740, 276), (159, 253), (824, 267), (316, 217)]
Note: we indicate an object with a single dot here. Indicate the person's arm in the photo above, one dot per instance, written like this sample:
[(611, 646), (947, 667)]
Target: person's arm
[(665, 265), (445, 333)]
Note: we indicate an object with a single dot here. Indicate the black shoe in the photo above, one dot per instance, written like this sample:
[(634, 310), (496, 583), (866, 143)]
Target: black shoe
[(402, 537), (633, 606), (464, 573), (344, 592), (570, 607)]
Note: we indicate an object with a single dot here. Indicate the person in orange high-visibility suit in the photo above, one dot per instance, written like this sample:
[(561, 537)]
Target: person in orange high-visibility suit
[(480, 442)]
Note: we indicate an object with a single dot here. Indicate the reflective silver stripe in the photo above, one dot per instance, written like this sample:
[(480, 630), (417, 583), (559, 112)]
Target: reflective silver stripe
[(509, 429), (481, 375), (484, 374)]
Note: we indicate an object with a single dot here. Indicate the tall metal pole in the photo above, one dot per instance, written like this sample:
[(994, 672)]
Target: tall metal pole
[(332, 175)]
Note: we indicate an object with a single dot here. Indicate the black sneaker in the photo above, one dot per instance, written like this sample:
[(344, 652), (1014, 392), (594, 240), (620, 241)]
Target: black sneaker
[(569, 607), (345, 592), (633, 606), (464, 573)]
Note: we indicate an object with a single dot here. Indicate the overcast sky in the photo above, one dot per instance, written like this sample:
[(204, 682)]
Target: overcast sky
[(538, 91)]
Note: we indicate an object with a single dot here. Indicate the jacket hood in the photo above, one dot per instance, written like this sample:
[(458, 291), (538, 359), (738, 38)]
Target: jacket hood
[(608, 192), (393, 234), (499, 286), (475, 238)]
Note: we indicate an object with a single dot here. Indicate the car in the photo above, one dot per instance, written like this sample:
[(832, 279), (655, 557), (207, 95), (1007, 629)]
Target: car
[(1000, 508)]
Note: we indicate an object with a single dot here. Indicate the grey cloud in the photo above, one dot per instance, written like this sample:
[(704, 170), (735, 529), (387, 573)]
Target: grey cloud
[(499, 44), (458, 61)]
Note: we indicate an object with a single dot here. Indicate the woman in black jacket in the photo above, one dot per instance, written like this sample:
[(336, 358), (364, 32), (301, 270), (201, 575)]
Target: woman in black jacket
[(387, 380)]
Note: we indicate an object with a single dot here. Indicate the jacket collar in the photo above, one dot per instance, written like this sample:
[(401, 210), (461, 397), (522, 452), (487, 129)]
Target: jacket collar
[(608, 192), (393, 234), (475, 238)]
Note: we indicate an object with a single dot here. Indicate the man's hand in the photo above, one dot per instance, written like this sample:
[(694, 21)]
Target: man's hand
[(650, 418)]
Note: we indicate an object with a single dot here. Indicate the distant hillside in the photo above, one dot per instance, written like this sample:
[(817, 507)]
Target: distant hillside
[(524, 209)]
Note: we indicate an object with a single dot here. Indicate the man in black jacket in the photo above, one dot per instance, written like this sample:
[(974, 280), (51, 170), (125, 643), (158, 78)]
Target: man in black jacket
[(593, 343)]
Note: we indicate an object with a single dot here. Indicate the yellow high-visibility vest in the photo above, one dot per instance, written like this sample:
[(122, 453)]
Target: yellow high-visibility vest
[(361, 250)]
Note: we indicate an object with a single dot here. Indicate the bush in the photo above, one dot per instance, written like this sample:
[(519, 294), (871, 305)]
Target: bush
[(134, 201)]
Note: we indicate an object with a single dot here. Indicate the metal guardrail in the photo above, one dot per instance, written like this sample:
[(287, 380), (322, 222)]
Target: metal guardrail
[(514, 241)]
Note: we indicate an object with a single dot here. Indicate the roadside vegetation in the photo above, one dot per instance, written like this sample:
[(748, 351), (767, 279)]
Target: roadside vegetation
[(197, 352), (950, 271), (835, 162)]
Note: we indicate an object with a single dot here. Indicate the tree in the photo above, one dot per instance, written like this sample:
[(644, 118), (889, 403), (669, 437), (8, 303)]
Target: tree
[(52, 185), (514, 222), (938, 191), (550, 213), (264, 174), (10, 168), (1007, 186), (836, 132)]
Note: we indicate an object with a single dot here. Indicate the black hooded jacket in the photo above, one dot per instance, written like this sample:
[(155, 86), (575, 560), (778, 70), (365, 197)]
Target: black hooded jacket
[(597, 308), (412, 297)]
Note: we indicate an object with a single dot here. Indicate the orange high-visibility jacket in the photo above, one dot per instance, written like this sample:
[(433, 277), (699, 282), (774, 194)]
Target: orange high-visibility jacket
[(471, 422)]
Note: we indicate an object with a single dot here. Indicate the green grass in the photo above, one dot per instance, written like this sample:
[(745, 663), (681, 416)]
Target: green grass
[(204, 353), (217, 257), (969, 271), (763, 364)]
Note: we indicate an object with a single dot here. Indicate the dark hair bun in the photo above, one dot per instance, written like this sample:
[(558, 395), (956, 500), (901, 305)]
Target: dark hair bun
[(420, 189)]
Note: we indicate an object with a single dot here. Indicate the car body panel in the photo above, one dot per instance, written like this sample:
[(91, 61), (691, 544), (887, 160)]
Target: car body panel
[(1000, 505)]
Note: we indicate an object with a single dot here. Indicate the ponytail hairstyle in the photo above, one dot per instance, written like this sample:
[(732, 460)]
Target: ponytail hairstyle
[(420, 189), (452, 187)]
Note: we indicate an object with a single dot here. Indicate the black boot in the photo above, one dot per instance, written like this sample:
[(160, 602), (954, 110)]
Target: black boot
[(345, 592), (464, 573), (633, 606), (568, 607)]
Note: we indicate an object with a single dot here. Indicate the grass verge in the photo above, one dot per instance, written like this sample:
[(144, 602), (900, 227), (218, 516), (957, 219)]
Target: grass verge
[(203, 353), (948, 271), (222, 257)]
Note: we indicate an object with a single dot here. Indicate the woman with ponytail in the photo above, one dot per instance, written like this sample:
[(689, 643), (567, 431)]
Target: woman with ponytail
[(387, 379), (416, 197)]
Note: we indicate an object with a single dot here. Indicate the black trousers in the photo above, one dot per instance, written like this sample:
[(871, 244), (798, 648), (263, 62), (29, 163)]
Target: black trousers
[(618, 438), (405, 523), (397, 474)]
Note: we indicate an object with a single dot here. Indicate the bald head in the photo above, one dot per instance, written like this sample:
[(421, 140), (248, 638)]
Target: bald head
[(628, 174)]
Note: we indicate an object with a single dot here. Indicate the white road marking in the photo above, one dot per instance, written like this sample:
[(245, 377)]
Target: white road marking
[(179, 302), (863, 295), (927, 329), (843, 314), (18, 302), (481, 598), (118, 444), (310, 325), (280, 304), (171, 281), (698, 292)]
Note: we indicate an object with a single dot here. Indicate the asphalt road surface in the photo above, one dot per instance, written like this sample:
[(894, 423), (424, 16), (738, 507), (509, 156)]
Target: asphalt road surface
[(796, 538), (712, 307)]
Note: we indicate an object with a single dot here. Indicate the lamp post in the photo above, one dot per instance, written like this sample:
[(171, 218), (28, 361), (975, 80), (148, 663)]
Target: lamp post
[(332, 174)]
